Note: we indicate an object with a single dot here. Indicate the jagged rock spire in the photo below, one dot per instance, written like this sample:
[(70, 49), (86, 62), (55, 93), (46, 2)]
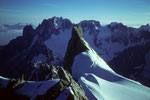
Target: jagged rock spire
[(66, 81), (76, 45), (28, 32)]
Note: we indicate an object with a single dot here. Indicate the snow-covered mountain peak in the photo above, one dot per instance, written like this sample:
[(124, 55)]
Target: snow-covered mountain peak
[(57, 23), (115, 25), (90, 24), (77, 45), (54, 25)]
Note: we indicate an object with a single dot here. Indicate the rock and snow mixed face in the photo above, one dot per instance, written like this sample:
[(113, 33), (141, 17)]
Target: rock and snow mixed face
[(63, 88), (30, 89), (58, 34), (108, 41)]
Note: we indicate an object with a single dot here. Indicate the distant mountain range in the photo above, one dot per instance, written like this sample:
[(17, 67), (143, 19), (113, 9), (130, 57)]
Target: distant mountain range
[(18, 26), (7, 27), (39, 53), (9, 32)]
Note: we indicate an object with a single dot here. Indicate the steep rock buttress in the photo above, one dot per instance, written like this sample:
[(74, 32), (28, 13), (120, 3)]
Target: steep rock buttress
[(76, 45)]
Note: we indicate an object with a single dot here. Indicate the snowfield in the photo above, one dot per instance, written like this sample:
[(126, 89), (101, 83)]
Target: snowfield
[(58, 43)]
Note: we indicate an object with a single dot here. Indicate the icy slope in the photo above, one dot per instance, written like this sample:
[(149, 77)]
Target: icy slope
[(97, 88), (100, 82)]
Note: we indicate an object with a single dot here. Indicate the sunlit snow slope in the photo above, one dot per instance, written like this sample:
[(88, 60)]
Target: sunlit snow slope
[(100, 82)]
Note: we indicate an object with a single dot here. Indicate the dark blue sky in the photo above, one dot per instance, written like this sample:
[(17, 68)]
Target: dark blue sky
[(129, 12)]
